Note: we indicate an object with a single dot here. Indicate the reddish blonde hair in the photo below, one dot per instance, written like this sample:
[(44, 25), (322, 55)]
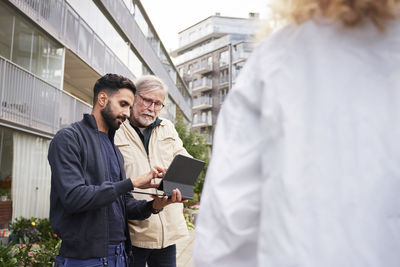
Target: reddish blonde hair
[(349, 12)]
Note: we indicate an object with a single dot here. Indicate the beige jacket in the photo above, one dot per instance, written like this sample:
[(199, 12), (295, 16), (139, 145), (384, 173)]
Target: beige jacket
[(163, 229)]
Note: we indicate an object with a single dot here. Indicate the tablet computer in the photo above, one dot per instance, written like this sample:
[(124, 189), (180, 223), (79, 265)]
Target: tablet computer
[(182, 173)]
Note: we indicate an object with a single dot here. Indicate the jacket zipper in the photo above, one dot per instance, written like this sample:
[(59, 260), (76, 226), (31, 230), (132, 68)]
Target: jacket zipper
[(105, 209), (159, 215)]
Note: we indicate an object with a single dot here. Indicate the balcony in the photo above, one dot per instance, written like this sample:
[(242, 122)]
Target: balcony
[(202, 121), (201, 85), (203, 68), (241, 51), (60, 20), (239, 58), (29, 102), (202, 102)]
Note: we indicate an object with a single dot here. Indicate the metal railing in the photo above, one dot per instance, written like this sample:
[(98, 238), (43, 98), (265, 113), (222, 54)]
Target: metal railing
[(126, 23), (202, 83), (31, 102), (203, 66), (204, 119), (241, 51), (63, 23), (59, 19), (202, 101)]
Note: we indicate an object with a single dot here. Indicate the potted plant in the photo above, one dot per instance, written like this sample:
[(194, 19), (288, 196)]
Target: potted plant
[(4, 194)]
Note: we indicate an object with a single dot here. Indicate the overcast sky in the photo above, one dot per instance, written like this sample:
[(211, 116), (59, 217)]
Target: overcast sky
[(172, 16)]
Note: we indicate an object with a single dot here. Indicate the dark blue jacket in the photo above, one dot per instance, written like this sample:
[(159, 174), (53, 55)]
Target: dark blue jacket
[(80, 193)]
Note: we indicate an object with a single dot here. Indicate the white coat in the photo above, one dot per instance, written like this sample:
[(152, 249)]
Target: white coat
[(305, 170)]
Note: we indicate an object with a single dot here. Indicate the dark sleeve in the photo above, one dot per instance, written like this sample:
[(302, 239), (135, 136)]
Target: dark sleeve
[(137, 209), (68, 177)]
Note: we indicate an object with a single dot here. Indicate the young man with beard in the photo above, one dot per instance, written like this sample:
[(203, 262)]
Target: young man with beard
[(146, 140), (90, 200)]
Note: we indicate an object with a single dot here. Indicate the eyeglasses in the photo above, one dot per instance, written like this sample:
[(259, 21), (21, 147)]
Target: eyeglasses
[(148, 102)]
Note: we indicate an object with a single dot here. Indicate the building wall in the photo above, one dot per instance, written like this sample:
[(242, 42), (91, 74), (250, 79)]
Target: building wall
[(225, 51), (51, 53)]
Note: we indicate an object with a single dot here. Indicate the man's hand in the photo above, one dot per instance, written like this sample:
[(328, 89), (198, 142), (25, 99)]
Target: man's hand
[(161, 202), (144, 181)]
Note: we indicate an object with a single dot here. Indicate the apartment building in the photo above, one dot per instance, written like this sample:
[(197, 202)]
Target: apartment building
[(51, 54), (210, 56)]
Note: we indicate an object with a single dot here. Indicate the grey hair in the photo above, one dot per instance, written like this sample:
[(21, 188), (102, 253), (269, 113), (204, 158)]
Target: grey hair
[(148, 83)]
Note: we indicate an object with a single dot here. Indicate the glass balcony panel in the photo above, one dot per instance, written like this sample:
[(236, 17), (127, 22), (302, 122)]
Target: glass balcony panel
[(99, 50), (71, 28), (241, 51), (202, 120), (202, 84), (204, 66), (202, 102), (29, 101)]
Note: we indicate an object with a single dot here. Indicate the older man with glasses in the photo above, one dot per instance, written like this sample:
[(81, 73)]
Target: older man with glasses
[(147, 140)]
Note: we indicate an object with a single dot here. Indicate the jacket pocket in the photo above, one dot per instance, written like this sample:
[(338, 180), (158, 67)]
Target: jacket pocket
[(166, 149)]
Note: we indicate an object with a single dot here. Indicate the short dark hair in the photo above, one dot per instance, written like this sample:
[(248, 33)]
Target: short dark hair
[(111, 83)]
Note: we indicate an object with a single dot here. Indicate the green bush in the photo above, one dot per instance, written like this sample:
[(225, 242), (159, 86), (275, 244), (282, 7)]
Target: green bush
[(196, 145), (191, 202), (6, 259), (31, 243)]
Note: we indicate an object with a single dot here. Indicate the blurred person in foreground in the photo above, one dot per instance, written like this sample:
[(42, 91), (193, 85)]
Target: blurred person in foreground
[(305, 167), (90, 200), (147, 140)]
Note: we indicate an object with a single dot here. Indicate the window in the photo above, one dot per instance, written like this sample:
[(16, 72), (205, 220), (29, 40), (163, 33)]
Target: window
[(224, 76), (237, 52), (203, 116), (24, 174), (222, 95), (195, 66), (209, 61), (32, 49), (224, 58), (196, 83), (236, 70), (6, 152), (6, 26), (190, 68)]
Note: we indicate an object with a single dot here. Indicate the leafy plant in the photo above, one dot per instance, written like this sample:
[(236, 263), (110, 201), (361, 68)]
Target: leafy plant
[(46, 254), (31, 243), (189, 223), (191, 202), (196, 145), (4, 192), (24, 231), (6, 258)]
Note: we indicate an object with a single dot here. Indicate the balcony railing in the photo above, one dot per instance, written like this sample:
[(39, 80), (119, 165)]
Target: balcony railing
[(202, 84), (202, 121), (58, 17), (202, 102), (241, 52), (28, 101), (203, 67)]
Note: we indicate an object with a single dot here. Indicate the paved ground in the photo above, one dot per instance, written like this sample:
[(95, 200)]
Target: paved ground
[(184, 251)]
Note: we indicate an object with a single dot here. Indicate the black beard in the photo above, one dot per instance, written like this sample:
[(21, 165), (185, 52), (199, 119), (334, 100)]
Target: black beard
[(108, 117)]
